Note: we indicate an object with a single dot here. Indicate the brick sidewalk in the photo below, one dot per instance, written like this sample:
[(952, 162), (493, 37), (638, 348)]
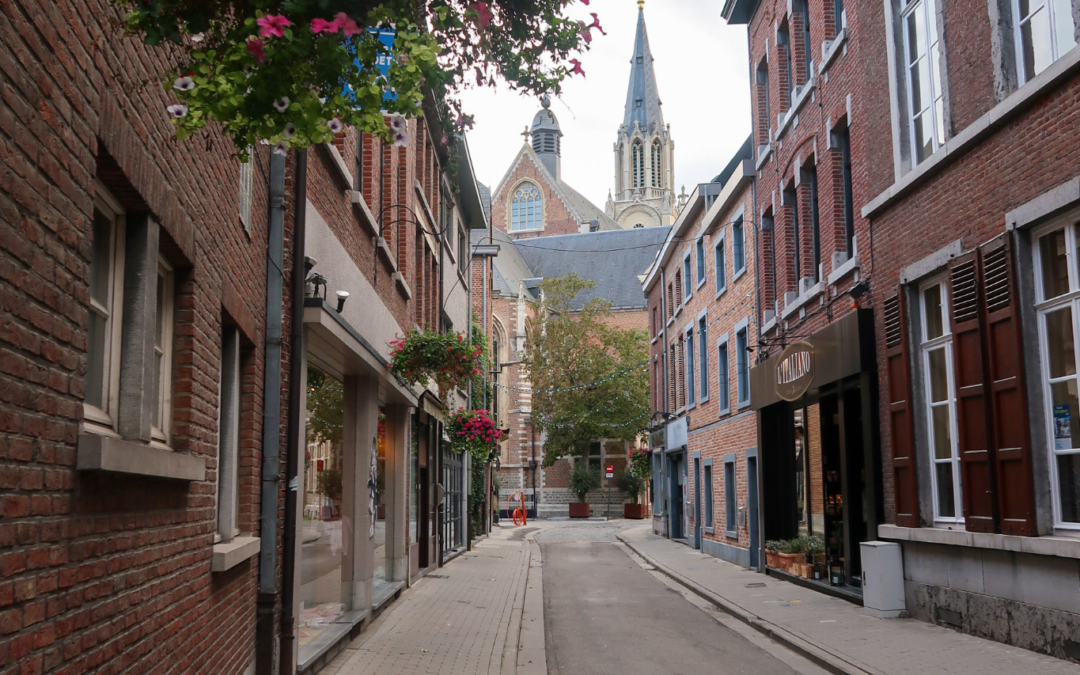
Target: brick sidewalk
[(834, 631), (455, 620)]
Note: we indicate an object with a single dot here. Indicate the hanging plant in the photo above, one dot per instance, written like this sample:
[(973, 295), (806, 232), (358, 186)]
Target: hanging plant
[(292, 73), (447, 358), (472, 431), (639, 460)]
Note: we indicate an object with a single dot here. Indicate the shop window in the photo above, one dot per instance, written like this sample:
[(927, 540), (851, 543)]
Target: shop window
[(708, 494), (723, 376), (1058, 309), (721, 264), (940, 401), (730, 507), (1044, 33)]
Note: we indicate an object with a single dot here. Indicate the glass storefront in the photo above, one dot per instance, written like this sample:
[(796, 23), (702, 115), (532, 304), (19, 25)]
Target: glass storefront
[(322, 539), (380, 580)]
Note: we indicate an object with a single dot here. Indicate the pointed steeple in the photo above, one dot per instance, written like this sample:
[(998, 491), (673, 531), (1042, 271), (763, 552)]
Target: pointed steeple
[(642, 99)]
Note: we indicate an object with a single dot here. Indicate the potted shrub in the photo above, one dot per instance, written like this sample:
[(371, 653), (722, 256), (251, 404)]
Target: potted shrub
[(583, 480), (790, 554), (772, 552), (631, 485)]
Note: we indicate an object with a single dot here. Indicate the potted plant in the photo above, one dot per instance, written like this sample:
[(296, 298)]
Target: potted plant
[(583, 480), (789, 554), (631, 485), (447, 358), (772, 552)]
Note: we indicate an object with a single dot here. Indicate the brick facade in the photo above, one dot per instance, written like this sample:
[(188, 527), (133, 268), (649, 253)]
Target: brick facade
[(557, 216)]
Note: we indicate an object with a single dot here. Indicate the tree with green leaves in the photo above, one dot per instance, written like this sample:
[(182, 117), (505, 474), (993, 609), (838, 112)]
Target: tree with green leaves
[(588, 376), (325, 408)]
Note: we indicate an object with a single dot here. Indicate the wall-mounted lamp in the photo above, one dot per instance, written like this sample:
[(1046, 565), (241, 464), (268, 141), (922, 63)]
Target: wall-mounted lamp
[(857, 291), (342, 296), (309, 263)]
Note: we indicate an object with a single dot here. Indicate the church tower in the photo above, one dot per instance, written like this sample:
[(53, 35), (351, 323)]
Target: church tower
[(644, 152)]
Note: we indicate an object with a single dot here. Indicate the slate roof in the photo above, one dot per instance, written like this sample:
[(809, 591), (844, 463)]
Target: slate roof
[(587, 209), (613, 259), (642, 86), (485, 199), (510, 267)]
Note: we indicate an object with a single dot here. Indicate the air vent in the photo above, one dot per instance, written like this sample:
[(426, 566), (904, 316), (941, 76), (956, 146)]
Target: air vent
[(893, 329), (996, 271), (964, 291)]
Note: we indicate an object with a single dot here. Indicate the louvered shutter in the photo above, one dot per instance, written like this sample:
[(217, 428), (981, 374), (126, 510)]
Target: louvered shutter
[(898, 368), (1011, 441), (972, 404)]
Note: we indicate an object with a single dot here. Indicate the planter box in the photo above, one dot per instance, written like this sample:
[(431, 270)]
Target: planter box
[(772, 559), (634, 511), (579, 509), (787, 560)]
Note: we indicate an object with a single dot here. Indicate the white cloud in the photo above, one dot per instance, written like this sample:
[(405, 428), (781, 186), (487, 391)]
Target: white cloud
[(701, 73)]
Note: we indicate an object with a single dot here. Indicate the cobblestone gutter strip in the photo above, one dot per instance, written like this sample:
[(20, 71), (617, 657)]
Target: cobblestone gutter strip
[(503, 659), (532, 654), (828, 660)]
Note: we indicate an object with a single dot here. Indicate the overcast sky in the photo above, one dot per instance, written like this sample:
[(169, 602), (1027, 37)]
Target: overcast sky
[(701, 73)]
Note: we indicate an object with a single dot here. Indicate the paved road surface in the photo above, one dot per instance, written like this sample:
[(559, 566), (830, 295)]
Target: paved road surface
[(604, 613)]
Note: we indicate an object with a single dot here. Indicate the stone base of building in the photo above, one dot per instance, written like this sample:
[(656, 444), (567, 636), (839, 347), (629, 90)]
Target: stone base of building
[(728, 552), (1025, 600)]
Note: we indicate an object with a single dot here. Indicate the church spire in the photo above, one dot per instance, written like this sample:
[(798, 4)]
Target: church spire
[(642, 99)]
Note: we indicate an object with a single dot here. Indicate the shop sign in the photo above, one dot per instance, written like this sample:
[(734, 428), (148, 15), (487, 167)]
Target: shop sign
[(795, 370)]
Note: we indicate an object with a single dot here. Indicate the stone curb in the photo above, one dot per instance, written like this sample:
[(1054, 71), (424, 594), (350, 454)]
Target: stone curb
[(834, 663), (532, 649)]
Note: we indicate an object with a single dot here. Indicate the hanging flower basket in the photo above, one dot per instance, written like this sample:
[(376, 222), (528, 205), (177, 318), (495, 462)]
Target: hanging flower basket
[(472, 431), (446, 358)]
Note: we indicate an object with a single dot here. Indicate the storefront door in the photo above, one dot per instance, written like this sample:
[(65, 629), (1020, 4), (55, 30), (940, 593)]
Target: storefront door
[(752, 508), (697, 502), (675, 496)]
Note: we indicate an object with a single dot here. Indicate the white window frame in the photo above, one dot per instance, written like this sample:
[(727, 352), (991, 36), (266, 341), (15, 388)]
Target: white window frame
[(723, 374), (699, 259), (229, 406), (104, 419), (164, 313), (937, 88), (926, 346), (690, 366), (247, 173), (720, 260), (1056, 51), (1043, 307)]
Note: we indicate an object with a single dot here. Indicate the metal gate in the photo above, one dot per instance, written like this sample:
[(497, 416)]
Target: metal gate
[(453, 511)]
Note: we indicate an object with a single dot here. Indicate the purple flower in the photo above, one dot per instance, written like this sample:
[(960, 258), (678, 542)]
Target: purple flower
[(184, 83), (177, 110), (198, 37), (282, 104), (334, 126), (398, 122), (289, 130), (281, 148)]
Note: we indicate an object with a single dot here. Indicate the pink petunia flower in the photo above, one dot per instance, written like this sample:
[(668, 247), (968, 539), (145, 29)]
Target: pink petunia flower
[(577, 68), (586, 32), (324, 26), (177, 110), (255, 48), (596, 23), (348, 26), (272, 25)]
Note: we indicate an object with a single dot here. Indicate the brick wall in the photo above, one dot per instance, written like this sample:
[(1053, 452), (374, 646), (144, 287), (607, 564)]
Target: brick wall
[(110, 572), (557, 216)]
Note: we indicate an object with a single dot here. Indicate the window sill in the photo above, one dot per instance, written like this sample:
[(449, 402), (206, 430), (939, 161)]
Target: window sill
[(116, 455), (829, 50), (402, 285), (462, 278), (763, 153), (768, 325), (998, 116), (738, 274), (700, 283), (802, 300), (793, 112), (743, 404), (339, 163), (1061, 547), (731, 534), (386, 255), (709, 530), (724, 411), (843, 270), (367, 219), (721, 292), (227, 556)]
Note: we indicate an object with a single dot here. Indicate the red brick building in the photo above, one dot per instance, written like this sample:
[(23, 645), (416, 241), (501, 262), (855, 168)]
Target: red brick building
[(702, 311), (134, 294), (974, 197)]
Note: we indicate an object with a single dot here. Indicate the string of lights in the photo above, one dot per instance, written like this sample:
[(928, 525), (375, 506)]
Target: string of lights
[(585, 385)]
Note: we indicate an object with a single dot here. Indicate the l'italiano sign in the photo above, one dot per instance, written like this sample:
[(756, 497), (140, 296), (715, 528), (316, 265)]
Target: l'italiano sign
[(795, 370)]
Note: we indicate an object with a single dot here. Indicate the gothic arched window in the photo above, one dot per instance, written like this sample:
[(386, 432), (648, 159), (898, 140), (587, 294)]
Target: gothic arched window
[(525, 208), (638, 159), (657, 172)]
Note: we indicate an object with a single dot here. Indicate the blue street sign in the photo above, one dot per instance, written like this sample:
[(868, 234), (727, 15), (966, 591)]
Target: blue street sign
[(382, 61)]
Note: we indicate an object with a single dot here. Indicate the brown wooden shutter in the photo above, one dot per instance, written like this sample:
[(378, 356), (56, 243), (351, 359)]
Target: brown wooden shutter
[(972, 404), (1011, 441), (905, 483)]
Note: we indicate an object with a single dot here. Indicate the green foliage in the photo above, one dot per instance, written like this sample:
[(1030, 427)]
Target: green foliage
[(478, 497), (330, 484), (481, 382), (640, 461), (442, 46), (583, 480), (630, 484), (325, 408), (447, 358), (589, 379), (802, 544)]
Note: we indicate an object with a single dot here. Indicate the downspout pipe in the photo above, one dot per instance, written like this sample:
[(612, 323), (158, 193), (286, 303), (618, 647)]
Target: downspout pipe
[(271, 422), (296, 390)]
